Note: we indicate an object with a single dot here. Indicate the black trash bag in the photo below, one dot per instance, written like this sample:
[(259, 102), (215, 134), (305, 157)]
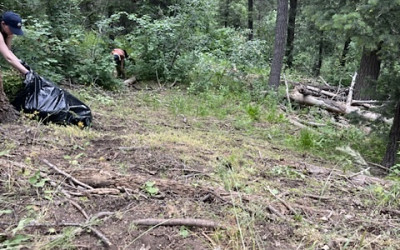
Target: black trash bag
[(51, 103)]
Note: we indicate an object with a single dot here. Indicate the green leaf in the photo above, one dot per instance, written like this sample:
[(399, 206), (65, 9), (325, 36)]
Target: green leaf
[(183, 232), (275, 191), (21, 225), (67, 157), (37, 181), (373, 2), (8, 211), (150, 188), (14, 242), (79, 156), (5, 152)]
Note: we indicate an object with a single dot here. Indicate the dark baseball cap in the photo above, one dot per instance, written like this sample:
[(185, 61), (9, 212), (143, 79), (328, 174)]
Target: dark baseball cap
[(14, 22)]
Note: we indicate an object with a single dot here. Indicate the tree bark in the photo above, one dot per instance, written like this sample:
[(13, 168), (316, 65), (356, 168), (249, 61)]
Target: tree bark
[(7, 112), (250, 8), (394, 136), (370, 67), (280, 42), (344, 52), (318, 63), (290, 34), (226, 14)]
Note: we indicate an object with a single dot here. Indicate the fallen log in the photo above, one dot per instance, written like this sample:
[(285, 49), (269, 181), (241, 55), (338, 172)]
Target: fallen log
[(130, 81), (334, 106), (311, 100), (319, 92)]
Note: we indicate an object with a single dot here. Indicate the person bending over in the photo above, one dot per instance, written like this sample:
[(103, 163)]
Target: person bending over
[(119, 57), (10, 25)]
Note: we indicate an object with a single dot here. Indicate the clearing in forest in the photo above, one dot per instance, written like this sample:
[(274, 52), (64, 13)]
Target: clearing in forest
[(147, 175)]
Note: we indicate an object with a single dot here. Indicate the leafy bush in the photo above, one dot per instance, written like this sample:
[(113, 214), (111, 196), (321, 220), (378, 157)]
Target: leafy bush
[(82, 57), (12, 84), (206, 75), (40, 50), (163, 48), (97, 65)]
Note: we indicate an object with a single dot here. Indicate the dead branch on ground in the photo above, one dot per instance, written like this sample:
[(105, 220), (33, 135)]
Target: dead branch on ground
[(336, 100), (177, 222), (66, 175)]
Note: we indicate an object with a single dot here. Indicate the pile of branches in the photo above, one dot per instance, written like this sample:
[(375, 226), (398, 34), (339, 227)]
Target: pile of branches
[(335, 99)]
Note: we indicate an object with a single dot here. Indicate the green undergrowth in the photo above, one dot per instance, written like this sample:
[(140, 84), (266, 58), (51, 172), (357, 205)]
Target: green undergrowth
[(263, 119), (257, 118)]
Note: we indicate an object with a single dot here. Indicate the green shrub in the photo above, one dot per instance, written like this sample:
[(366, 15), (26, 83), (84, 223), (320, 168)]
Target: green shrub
[(12, 83), (82, 57)]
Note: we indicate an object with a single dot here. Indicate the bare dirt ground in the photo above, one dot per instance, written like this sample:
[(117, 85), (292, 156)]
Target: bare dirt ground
[(145, 178)]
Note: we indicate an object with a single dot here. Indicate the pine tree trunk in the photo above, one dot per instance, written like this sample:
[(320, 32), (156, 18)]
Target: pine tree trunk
[(250, 18), (7, 112), (344, 52), (370, 67), (394, 136), (226, 14), (318, 63), (280, 42), (290, 35)]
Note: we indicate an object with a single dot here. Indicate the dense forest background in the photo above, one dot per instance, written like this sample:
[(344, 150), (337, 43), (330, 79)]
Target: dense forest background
[(230, 46)]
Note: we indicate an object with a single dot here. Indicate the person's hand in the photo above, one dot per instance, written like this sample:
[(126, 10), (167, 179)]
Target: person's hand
[(25, 64), (23, 75), (27, 75)]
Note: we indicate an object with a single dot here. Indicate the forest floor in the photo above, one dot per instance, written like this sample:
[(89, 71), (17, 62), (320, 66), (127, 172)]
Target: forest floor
[(143, 177)]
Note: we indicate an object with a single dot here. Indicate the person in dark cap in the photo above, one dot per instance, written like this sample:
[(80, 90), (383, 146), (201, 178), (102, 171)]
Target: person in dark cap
[(10, 25)]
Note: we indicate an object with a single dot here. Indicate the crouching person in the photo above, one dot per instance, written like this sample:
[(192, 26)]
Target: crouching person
[(119, 57)]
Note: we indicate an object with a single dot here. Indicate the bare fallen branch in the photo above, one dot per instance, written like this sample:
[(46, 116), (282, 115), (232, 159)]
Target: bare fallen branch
[(359, 173), (283, 202), (77, 206), (77, 231), (323, 80), (317, 197), (177, 222), (66, 175), (391, 211), (276, 212), (103, 191), (100, 235), (379, 166), (326, 93), (302, 123), (350, 95), (297, 123)]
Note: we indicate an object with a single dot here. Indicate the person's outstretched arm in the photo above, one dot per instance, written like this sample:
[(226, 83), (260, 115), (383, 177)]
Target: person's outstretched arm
[(5, 50)]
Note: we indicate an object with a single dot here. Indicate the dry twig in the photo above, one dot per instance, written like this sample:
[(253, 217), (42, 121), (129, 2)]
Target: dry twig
[(177, 222), (283, 202), (317, 197), (75, 204), (66, 175)]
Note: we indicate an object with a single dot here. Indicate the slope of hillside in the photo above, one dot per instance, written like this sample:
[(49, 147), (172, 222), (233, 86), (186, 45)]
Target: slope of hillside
[(147, 176)]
